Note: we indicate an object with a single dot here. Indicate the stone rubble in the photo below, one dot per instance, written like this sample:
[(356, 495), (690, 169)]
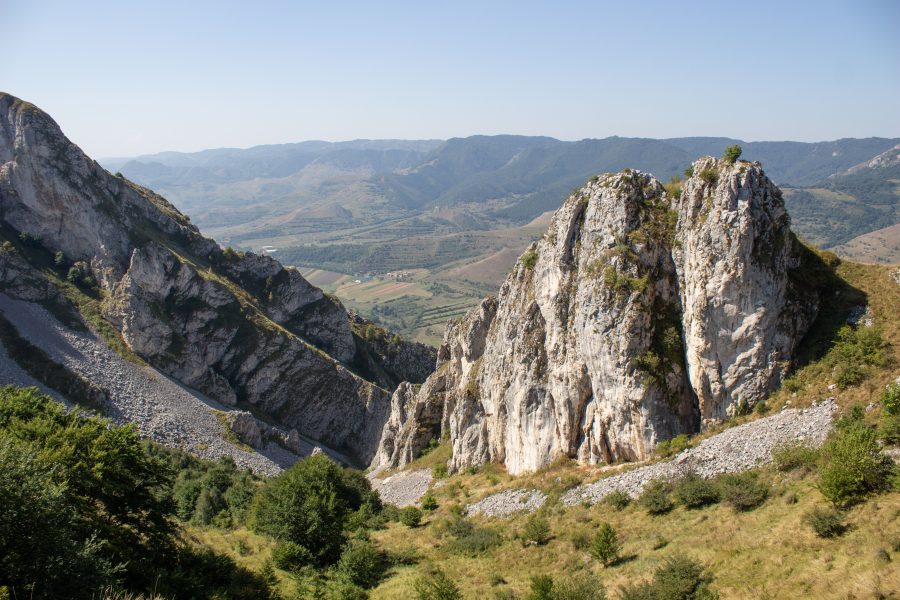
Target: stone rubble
[(162, 409), (405, 488), (736, 449), (508, 503)]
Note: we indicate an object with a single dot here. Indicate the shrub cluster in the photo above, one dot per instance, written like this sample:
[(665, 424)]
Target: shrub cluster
[(692, 491), (673, 446), (855, 352), (311, 505), (617, 499), (536, 531), (469, 539), (583, 586), (826, 522), (852, 464), (678, 577), (655, 497), (743, 491), (795, 457), (436, 585), (889, 423), (87, 506), (732, 153)]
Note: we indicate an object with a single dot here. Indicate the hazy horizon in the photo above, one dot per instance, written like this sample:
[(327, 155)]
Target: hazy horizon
[(126, 80), (392, 139)]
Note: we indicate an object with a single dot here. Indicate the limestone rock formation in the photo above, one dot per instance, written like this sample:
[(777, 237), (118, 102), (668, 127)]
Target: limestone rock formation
[(639, 313), (237, 326), (742, 313)]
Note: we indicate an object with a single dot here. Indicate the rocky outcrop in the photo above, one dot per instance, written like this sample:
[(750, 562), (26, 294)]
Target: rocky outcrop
[(640, 313), (418, 415), (742, 314), (237, 326)]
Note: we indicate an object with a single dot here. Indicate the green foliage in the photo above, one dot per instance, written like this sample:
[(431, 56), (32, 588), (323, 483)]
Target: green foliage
[(437, 586), (826, 522), (853, 466), (617, 499), (410, 516), (655, 497), (673, 188), (529, 259), (536, 531), (692, 491), (732, 153), (677, 578), (671, 447), (98, 475), (541, 588), (211, 493), (583, 586), (889, 428), (709, 175), (854, 352), (362, 563), (622, 283), (87, 505), (795, 457), (605, 546), (743, 491), (890, 399), (28, 239), (80, 274), (469, 539), (689, 172), (310, 504), (291, 557), (59, 259), (39, 539), (439, 471), (429, 503)]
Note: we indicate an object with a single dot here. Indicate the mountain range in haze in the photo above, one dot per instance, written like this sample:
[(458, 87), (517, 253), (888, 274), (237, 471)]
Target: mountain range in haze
[(292, 190)]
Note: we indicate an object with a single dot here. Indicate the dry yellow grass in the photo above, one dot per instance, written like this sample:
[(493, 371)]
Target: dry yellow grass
[(768, 552)]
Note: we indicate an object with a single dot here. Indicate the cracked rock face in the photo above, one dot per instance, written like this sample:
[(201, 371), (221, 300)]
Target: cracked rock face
[(742, 317), (237, 326), (638, 316)]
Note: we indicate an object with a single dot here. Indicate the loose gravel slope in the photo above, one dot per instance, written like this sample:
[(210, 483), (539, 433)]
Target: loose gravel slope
[(162, 409), (736, 449)]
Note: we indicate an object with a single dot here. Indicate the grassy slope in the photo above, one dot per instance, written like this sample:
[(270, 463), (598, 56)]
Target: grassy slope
[(766, 553)]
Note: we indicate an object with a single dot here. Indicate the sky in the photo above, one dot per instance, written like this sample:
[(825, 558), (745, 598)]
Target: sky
[(127, 78)]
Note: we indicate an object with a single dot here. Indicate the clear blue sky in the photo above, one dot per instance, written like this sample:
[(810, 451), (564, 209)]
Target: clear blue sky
[(129, 77)]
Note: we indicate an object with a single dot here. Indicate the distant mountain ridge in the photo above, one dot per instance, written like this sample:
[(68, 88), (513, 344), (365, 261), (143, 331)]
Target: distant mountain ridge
[(281, 190)]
